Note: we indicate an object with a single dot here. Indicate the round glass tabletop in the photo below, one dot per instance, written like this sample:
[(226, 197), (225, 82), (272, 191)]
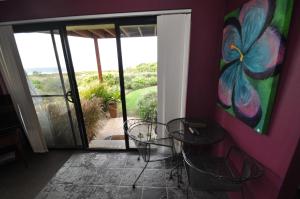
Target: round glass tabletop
[(195, 132)]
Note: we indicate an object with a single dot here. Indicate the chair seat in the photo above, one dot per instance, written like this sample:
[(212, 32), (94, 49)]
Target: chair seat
[(217, 166), (227, 173)]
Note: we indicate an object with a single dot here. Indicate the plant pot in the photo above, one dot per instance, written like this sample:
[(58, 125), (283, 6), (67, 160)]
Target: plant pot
[(112, 109)]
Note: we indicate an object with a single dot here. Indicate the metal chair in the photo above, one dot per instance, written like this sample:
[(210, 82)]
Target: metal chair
[(221, 174), (150, 142)]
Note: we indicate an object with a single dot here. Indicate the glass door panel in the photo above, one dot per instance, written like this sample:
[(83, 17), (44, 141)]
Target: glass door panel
[(95, 62), (139, 57), (67, 87), (38, 52)]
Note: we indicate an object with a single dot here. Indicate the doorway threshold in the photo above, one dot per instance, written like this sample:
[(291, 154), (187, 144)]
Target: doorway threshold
[(109, 144)]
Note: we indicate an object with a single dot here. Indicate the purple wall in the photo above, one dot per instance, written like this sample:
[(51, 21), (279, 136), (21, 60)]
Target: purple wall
[(207, 22), (276, 150)]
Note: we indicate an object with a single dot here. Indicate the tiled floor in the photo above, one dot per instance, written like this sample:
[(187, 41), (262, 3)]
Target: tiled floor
[(20, 182), (99, 175)]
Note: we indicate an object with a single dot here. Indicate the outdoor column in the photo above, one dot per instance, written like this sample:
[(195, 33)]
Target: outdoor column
[(98, 58)]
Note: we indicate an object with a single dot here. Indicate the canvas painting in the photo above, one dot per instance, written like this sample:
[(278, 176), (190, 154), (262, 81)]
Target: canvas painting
[(253, 48)]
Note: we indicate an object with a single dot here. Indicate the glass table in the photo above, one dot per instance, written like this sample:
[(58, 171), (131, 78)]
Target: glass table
[(195, 132)]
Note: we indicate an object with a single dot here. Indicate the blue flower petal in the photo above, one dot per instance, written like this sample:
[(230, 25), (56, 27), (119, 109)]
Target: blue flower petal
[(246, 101), (226, 83), (252, 18), (265, 54), (231, 36)]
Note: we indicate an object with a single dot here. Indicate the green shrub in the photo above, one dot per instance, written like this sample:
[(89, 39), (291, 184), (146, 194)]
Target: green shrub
[(102, 91), (111, 78), (89, 79), (37, 84), (144, 67), (141, 81), (147, 106)]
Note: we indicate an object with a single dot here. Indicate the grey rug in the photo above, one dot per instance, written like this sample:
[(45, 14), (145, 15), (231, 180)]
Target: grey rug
[(99, 175)]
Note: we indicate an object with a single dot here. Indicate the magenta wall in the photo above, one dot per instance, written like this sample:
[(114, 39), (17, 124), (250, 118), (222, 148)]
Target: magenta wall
[(207, 22), (276, 150)]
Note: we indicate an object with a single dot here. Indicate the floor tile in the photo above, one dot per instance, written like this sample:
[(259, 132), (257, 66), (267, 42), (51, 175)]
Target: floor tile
[(115, 160), (98, 177), (130, 175), (170, 163), (176, 193), (59, 191), (80, 192), (113, 176), (154, 178), (81, 159), (156, 165), (133, 162), (75, 175), (104, 192), (207, 195), (173, 181), (129, 193), (98, 160), (151, 193)]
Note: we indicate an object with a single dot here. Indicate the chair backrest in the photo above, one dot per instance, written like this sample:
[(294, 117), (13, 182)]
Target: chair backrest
[(147, 137), (204, 174), (207, 172), (141, 132)]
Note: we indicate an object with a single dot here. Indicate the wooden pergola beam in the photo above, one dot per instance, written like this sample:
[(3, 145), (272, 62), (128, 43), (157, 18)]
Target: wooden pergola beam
[(97, 33), (83, 33), (110, 32), (71, 33), (124, 31), (140, 31)]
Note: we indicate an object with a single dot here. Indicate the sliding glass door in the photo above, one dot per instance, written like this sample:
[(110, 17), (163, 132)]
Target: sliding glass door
[(94, 56), (87, 77), (42, 58), (139, 60)]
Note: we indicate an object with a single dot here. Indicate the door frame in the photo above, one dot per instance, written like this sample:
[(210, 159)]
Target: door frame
[(61, 26), (63, 89)]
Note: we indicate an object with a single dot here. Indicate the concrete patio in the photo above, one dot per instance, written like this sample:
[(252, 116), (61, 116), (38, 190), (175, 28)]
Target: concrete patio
[(111, 136)]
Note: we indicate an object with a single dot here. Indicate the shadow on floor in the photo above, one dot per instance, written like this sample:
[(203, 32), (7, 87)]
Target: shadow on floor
[(19, 182)]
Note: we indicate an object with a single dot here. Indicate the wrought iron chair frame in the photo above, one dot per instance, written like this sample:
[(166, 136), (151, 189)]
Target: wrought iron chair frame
[(237, 180), (145, 151)]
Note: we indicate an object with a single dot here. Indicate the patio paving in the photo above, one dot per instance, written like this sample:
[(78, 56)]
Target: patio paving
[(112, 127)]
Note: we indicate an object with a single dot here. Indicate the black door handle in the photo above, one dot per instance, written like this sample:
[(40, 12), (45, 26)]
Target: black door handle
[(69, 96)]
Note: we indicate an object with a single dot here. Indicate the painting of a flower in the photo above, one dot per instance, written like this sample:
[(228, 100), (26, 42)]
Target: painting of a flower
[(252, 52)]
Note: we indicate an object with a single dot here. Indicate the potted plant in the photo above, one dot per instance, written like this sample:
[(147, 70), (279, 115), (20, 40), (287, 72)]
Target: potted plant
[(112, 106)]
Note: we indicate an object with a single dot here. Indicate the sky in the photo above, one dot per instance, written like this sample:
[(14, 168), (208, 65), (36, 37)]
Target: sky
[(36, 52)]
